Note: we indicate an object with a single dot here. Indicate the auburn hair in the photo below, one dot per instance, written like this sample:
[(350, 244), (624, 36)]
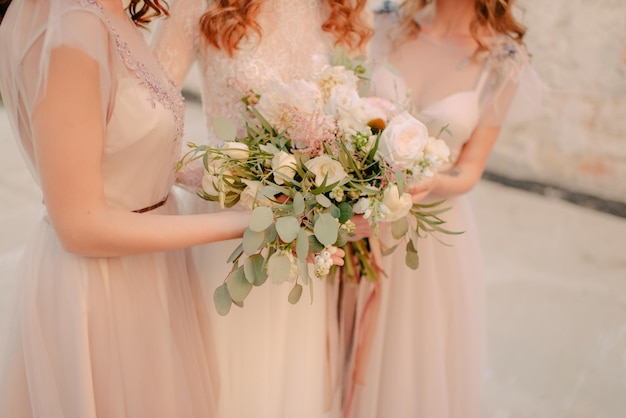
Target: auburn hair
[(492, 15), (227, 22)]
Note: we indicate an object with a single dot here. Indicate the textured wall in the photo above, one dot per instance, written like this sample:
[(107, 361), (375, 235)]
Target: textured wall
[(578, 141)]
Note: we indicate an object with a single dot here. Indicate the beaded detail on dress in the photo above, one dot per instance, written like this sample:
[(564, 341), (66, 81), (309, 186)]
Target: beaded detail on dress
[(167, 94)]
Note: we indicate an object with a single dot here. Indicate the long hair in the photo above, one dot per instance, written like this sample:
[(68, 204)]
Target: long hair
[(495, 16), (228, 22), (141, 11), (4, 5)]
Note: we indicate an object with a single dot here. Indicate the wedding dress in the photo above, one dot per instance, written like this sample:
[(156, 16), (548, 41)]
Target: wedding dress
[(427, 357), (116, 337), (271, 354)]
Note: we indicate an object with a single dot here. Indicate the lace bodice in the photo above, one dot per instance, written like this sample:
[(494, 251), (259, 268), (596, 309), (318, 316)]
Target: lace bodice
[(292, 45)]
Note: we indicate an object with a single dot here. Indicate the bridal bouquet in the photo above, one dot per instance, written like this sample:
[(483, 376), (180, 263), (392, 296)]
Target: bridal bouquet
[(314, 154)]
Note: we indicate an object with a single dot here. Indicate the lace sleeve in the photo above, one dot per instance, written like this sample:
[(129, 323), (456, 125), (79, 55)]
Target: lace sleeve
[(174, 43), (514, 92)]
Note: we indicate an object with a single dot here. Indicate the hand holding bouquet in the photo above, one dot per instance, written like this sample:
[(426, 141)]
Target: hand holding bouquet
[(315, 153)]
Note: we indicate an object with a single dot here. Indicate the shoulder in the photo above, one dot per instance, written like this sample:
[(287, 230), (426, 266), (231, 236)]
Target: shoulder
[(385, 6), (505, 52)]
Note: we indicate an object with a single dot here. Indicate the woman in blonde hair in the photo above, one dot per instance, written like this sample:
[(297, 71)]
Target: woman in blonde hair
[(460, 65), (271, 354)]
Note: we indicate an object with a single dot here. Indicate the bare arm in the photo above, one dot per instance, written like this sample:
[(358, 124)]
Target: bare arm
[(68, 136), (464, 175)]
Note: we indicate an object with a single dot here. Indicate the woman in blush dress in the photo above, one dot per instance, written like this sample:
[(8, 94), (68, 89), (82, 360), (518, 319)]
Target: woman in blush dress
[(460, 64), (108, 320), (272, 355)]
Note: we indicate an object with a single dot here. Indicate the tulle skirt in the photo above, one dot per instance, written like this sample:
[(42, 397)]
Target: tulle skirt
[(122, 337), (271, 355), (428, 353)]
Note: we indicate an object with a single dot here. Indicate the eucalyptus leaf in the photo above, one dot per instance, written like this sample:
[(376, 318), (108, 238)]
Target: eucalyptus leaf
[(238, 286), (412, 260), (326, 229), (295, 294), (252, 241), (342, 237), (222, 300), (224, 129), (253, 268), (261, 218), (278, 268), (298, 204), (235, 254), (323, 200), (287, 228), (334, 211), (400, 227), (302, 245), (270, 233), (303, 271), (345, 212), (314, 245)]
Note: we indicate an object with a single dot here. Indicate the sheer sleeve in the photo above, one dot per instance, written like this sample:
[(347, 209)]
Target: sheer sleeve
[(29, 38), (513, 91), (175, 40)]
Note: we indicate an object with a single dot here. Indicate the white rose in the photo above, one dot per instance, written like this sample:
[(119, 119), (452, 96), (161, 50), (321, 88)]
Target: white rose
[(284, 166), (208, 184), (437, 151), (335, 76), (397, 206), (324, 166), (252, 194), (361, 205), (403, 141), (236, 150)]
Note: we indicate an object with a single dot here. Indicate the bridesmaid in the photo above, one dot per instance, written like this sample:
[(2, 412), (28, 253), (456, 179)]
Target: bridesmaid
[(108, 321), (459, 64), (272, 356)]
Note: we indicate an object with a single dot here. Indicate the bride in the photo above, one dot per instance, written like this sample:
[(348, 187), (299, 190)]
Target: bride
[(272, 356)]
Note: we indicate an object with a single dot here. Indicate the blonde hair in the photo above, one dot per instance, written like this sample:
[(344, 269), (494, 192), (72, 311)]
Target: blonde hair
[(227, 22), (493, 15)]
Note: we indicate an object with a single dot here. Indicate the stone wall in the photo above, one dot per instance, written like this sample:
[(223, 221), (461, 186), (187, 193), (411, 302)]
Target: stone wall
[(578, 140)]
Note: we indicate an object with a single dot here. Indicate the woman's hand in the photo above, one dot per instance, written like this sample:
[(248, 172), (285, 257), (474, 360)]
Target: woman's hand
[(362, 229), (421, 190), (336, 257)]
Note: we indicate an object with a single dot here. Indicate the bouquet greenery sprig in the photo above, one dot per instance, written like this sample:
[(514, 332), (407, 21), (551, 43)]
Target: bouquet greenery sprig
[(314, 154)]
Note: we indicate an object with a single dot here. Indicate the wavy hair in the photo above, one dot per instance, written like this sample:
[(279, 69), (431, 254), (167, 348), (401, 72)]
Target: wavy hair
[(493, 15), (228, 22), (141, 11)]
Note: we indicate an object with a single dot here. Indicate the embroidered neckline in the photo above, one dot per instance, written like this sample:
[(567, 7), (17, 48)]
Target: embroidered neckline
[(167, 95)]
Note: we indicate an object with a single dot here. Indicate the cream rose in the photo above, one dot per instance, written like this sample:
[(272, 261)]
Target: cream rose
[(437, 151), (397, 206), (326, 167), (208, 184), (251, 194), (236, 150), (403, 141), (284, 166)]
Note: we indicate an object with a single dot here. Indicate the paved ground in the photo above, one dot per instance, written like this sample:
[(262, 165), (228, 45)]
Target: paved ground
[(556, 292)]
